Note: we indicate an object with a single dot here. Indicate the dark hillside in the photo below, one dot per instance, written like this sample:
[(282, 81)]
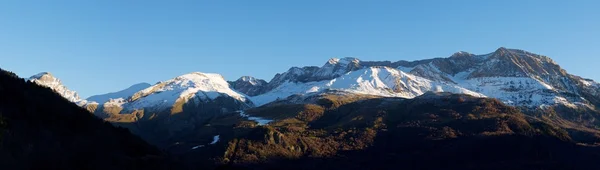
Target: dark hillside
[(41, 130)]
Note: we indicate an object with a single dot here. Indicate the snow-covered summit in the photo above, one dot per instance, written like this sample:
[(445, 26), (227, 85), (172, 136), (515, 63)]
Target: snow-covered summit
[(336, 67), (343, 61), (196, 85), (514, 76), (381, 81), (48, 80), (249, 85), (253, 81), (333, 68)]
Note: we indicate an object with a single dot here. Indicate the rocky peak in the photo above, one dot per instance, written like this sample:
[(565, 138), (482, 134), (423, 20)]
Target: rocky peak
[(461, 54), (251, 80), (518, 63), (343, 61), (333, 68), (502, 50), (46, 79), (44, 76), (336, 67), (249, 85), (332, 61)]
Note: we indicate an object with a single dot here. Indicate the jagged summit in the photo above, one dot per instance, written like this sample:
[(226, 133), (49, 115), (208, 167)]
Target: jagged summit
[(462, 54), (251, 80), (342, 61), (514, 76), (249, 85), (501, 49), (46, 79)]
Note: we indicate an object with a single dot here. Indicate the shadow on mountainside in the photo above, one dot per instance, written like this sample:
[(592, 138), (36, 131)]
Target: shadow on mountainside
[(39, 129)]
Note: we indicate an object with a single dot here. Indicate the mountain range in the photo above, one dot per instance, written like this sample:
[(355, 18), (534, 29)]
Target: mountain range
[(348, 107), (516, 77)]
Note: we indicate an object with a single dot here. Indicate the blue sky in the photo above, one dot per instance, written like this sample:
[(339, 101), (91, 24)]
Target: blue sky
[(104, 46)]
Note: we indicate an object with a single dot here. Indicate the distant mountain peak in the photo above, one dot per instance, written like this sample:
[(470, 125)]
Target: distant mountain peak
[(342, 61), (249, 85), (123, 94), (46, 79), (197, 85), (502, 49), (200, 75), (461, 54), (251, 80), (333, 61)]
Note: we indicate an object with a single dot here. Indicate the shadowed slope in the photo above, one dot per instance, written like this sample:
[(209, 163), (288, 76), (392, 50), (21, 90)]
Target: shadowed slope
[(41, 129)]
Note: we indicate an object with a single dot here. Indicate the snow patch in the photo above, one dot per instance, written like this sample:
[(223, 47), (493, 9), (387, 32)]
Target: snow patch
[(197, 147), (215, 139), (589, 83), (261, 121), (115, 102)]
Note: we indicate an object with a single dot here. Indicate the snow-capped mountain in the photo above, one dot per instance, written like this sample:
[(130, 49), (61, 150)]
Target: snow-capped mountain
[(171, 95), (103, 98), (515, 77), (193, 86), (380, 81), (46, 79), (333, 68), (174, 107), (249, 85), (179, 106)]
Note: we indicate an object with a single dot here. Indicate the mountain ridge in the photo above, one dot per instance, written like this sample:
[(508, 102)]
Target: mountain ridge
[(516, 77)]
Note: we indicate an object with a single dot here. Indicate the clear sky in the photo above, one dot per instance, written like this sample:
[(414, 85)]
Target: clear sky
[(103, 46)]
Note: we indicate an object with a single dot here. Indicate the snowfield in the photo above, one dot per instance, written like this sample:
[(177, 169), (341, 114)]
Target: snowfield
[(381, 81), (261, 121)]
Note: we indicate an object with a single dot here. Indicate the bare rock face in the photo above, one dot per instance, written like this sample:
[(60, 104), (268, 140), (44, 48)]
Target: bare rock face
[(517, 63), (249, 85), (333, 68)]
